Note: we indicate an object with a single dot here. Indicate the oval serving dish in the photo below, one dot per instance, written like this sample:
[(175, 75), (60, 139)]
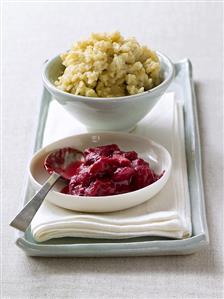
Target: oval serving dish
[(157, 156)]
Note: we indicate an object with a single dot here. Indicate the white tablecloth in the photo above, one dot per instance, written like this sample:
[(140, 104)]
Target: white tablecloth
[(33, 32)]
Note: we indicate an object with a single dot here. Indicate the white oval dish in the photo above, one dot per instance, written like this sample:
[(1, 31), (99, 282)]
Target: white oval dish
[(158, 157)]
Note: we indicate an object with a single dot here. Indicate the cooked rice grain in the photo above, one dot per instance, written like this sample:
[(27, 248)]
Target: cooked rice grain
[(107, 65)]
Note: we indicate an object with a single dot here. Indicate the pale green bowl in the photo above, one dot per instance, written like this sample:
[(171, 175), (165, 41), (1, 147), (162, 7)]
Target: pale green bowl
[(107, 114)]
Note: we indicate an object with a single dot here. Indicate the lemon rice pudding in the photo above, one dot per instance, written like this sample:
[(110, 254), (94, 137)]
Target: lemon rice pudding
[(107, 65)]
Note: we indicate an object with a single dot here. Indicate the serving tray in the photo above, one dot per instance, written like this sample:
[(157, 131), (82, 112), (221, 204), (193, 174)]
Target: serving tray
[(145, 246)]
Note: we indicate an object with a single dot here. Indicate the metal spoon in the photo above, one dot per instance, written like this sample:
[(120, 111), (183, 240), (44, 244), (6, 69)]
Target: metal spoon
[(61, 163)]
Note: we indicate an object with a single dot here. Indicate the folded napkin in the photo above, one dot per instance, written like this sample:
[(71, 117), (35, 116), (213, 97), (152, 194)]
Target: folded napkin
[(167, 214)]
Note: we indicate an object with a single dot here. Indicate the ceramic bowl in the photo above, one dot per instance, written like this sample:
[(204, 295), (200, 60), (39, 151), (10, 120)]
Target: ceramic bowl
[(158, 157), (107, 114)]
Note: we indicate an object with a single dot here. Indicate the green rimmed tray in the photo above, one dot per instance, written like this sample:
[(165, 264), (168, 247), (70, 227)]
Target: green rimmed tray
[(145, 246)]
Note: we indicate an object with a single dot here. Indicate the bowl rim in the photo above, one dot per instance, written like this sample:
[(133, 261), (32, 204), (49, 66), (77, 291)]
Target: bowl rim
[(165, 176), (73, 97)]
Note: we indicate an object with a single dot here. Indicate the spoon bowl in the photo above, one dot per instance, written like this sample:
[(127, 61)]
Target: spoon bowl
[(63, 161)]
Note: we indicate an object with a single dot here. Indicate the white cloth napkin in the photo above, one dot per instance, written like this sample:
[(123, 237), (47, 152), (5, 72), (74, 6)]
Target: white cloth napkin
[(167, 214)]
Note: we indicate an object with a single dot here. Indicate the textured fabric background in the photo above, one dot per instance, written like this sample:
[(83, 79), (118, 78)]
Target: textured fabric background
[(33, 32)]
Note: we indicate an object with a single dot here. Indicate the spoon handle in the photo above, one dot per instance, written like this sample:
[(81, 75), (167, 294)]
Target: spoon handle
[(25, 216)]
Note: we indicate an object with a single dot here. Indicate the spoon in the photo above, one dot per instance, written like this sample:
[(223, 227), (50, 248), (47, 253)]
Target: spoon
[(61, 163)]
